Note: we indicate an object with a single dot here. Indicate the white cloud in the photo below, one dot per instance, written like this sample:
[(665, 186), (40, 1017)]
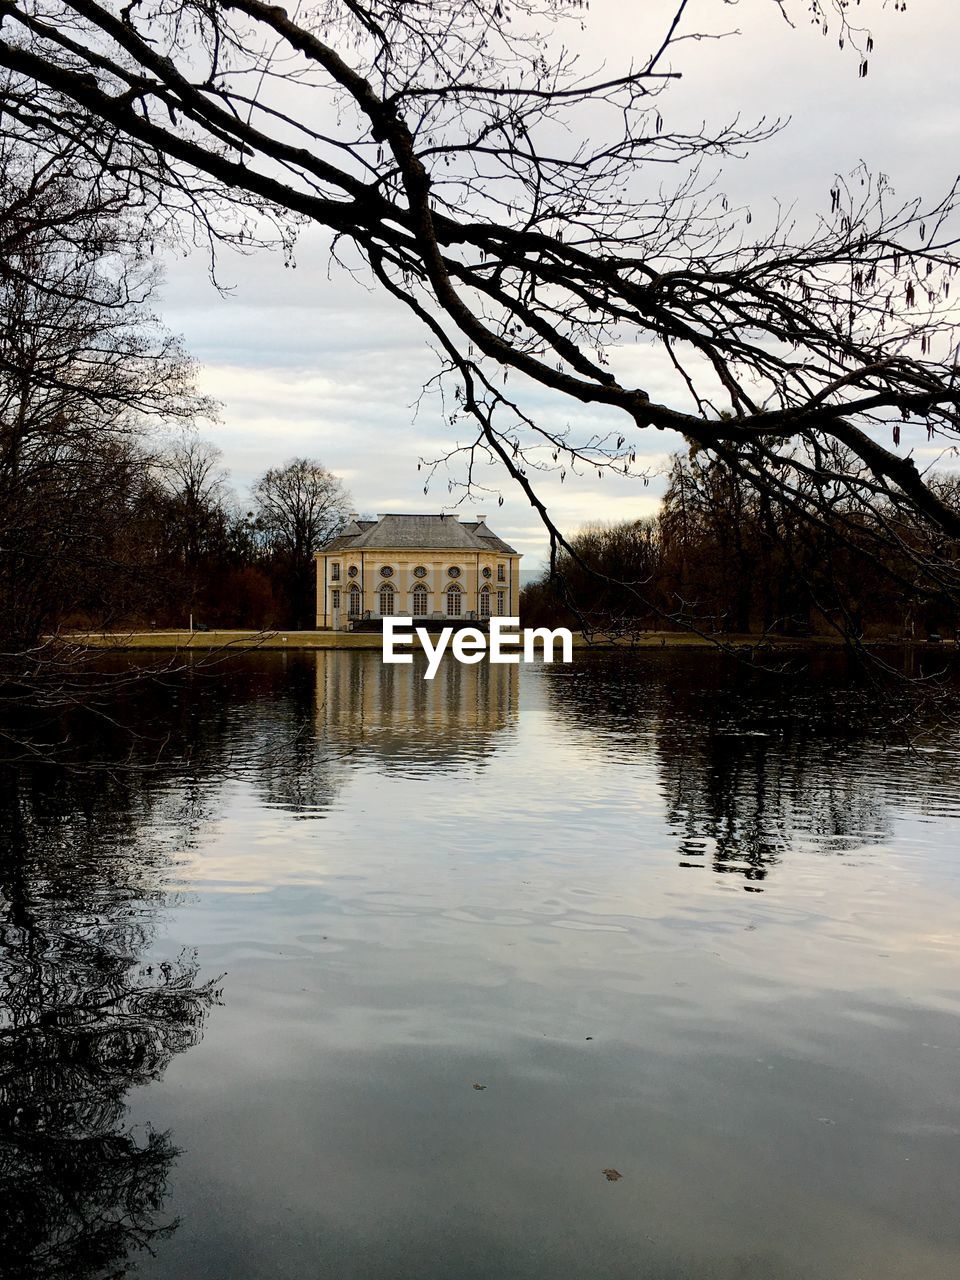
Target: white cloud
[(307, 360)]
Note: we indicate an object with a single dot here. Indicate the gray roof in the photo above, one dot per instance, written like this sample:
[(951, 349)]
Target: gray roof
[(346, 537), (429, 533)]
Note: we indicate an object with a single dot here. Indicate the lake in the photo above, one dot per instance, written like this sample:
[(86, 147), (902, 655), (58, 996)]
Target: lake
[(642, 967)]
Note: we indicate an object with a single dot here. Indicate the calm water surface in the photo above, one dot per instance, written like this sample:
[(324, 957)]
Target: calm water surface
[(370, 977)]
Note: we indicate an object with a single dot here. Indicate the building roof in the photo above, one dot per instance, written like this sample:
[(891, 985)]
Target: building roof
[(423, 532)]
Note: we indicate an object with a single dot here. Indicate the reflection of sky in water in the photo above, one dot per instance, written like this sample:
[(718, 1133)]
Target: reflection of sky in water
[(535, 881)]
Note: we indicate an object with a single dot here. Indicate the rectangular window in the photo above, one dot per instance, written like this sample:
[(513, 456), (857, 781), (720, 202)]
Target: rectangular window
[(500, 604), (501, 573), (335, 572), (336, 599)]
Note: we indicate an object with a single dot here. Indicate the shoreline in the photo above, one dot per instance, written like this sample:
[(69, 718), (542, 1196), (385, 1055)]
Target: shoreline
[(286, 641)]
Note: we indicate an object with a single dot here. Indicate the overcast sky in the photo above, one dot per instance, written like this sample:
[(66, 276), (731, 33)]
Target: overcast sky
[(309, 362)]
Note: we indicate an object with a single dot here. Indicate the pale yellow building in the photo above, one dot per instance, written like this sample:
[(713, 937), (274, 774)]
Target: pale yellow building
[(419, 566)]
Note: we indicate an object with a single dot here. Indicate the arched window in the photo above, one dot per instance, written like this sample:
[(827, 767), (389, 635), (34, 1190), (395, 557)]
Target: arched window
[(484, 602), (386, 600), (453, 601), (419, 602), (354, 601)]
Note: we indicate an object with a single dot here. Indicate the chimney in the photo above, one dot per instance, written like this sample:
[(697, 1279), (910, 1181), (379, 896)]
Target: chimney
[(479, 518), (354, 515)]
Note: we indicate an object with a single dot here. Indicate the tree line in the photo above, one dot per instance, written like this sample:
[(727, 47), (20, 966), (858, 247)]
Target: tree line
[(723, 556), (227, 563), (113, 511), (154, 536)]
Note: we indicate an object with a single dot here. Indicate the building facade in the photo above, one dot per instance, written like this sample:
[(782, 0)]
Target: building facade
[(419, 566)]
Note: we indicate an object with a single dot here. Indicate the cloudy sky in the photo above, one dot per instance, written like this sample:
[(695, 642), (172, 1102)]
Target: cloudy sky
[(309, 361)]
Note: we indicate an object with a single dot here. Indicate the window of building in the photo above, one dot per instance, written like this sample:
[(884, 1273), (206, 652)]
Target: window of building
[(453, 601), (419, 601), (501, 573), (386, 594), (354, 601), (336, 599), (500, 595), (335, 571), (485, 602)]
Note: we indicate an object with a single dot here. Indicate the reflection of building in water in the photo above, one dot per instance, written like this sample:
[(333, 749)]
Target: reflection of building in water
[(393, 713)]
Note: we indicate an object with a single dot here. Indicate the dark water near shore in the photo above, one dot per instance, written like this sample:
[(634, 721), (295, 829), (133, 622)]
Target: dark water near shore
[(681, 924)]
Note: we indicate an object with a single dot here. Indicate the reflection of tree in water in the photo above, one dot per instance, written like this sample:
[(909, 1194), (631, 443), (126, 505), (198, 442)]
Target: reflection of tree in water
[(292, 724), (742, 800), (269, 735), (751, 767), (84, 1018), (89, 830)]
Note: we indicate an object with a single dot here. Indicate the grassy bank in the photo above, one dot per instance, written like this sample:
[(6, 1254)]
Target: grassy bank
[(206, 640), (300, 640)]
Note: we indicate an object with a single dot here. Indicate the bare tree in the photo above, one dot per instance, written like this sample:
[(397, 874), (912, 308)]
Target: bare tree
[(84, 371), (503, 195), (299, 507), (196, 483)]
